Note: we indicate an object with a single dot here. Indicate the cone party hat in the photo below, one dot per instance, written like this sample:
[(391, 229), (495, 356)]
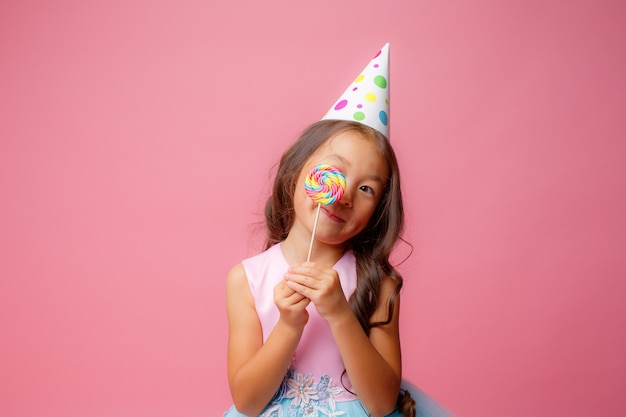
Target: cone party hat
[(366, 100)]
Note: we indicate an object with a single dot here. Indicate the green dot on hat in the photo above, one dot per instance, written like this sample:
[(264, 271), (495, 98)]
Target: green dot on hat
[(380, 81), (366, 100)]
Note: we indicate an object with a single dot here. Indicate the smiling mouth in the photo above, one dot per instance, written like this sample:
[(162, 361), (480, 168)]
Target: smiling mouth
[(333, 216)]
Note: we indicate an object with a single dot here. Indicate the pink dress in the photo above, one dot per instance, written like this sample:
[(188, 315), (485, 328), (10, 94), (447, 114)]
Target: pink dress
[(313, 385)]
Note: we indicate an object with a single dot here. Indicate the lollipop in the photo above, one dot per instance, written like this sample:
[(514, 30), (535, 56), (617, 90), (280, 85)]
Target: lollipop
[(325, 185)]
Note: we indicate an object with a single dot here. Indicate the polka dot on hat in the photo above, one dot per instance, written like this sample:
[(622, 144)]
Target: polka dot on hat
[(366, 100)]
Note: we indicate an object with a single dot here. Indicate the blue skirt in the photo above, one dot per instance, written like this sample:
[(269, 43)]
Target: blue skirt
[(289, 407)]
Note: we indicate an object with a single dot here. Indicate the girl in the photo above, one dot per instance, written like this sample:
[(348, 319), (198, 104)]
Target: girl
[(321, 337)]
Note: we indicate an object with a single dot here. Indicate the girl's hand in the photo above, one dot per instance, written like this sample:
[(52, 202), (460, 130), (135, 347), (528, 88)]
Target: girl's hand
[(291, 305), (321, 285)]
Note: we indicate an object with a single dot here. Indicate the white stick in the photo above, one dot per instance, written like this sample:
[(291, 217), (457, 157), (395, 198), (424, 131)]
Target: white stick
[(317, 216)]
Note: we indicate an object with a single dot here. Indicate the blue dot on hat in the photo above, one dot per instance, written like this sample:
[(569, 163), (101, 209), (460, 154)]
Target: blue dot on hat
[(383, 117)]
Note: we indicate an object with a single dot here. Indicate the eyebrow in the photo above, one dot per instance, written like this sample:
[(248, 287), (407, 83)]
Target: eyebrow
[(345, 161), (377, 179)]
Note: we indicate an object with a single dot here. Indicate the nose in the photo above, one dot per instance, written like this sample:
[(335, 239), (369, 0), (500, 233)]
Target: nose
[(346, 198)]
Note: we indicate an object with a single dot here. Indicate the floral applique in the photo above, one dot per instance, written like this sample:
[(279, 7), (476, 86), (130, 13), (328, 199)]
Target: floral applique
[(309, 398)]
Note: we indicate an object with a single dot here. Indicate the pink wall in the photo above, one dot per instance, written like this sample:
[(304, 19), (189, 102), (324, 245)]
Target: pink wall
[(136, 138)]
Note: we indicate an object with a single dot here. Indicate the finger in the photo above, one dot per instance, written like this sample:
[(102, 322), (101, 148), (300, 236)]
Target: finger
[(295, 297), (303, 280), (314, 271), (302, 303), (283, 292), (283, 289), (288, 294), (301, 289), (308, 269)]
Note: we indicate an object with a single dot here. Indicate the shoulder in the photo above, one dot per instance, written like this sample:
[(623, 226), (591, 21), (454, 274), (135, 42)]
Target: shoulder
[(237, 282), (388, 295), (236, 275), (257, 272), (239, 296), (262, 258), (388, 287)]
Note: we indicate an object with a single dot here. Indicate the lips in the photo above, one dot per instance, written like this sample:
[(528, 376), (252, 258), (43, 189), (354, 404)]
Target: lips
[(332, 216)]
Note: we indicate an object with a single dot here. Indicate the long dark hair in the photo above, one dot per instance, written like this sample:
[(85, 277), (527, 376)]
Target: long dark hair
[(373, 246)]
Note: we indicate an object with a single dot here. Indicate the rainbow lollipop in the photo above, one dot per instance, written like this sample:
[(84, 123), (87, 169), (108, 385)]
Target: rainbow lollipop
[(325, 185)]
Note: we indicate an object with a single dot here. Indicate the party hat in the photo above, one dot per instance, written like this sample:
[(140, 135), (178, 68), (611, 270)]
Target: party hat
[(366, 100)]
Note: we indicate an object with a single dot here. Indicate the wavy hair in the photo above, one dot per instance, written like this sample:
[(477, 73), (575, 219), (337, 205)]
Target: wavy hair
[(372, 247)]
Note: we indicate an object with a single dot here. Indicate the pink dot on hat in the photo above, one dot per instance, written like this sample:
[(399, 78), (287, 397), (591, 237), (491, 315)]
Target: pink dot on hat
[(366, 99), (341, 104)]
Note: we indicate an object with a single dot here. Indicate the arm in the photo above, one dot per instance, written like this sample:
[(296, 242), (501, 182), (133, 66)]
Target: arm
[(256, 369), (373, 363)]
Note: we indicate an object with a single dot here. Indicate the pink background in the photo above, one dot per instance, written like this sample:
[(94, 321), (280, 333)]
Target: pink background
[(136, 144)]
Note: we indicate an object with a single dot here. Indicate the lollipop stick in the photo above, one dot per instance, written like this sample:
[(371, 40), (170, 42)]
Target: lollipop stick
[(317, 216)]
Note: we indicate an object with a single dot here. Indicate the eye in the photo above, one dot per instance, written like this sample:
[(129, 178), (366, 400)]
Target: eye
[(367, 189)]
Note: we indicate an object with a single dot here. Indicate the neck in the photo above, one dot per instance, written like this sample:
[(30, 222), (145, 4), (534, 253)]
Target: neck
[(295, 249)]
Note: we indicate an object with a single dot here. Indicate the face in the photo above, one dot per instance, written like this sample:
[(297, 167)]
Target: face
[(366, 174)]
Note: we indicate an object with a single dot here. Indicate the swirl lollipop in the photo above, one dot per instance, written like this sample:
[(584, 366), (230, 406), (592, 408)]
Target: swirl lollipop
[(325, 185)]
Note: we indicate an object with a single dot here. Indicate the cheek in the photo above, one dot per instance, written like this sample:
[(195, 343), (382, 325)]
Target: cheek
[(368, 212), (301, 199)]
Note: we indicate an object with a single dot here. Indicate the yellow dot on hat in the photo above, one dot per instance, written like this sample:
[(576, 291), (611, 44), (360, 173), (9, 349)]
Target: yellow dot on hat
[(367, 98)]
